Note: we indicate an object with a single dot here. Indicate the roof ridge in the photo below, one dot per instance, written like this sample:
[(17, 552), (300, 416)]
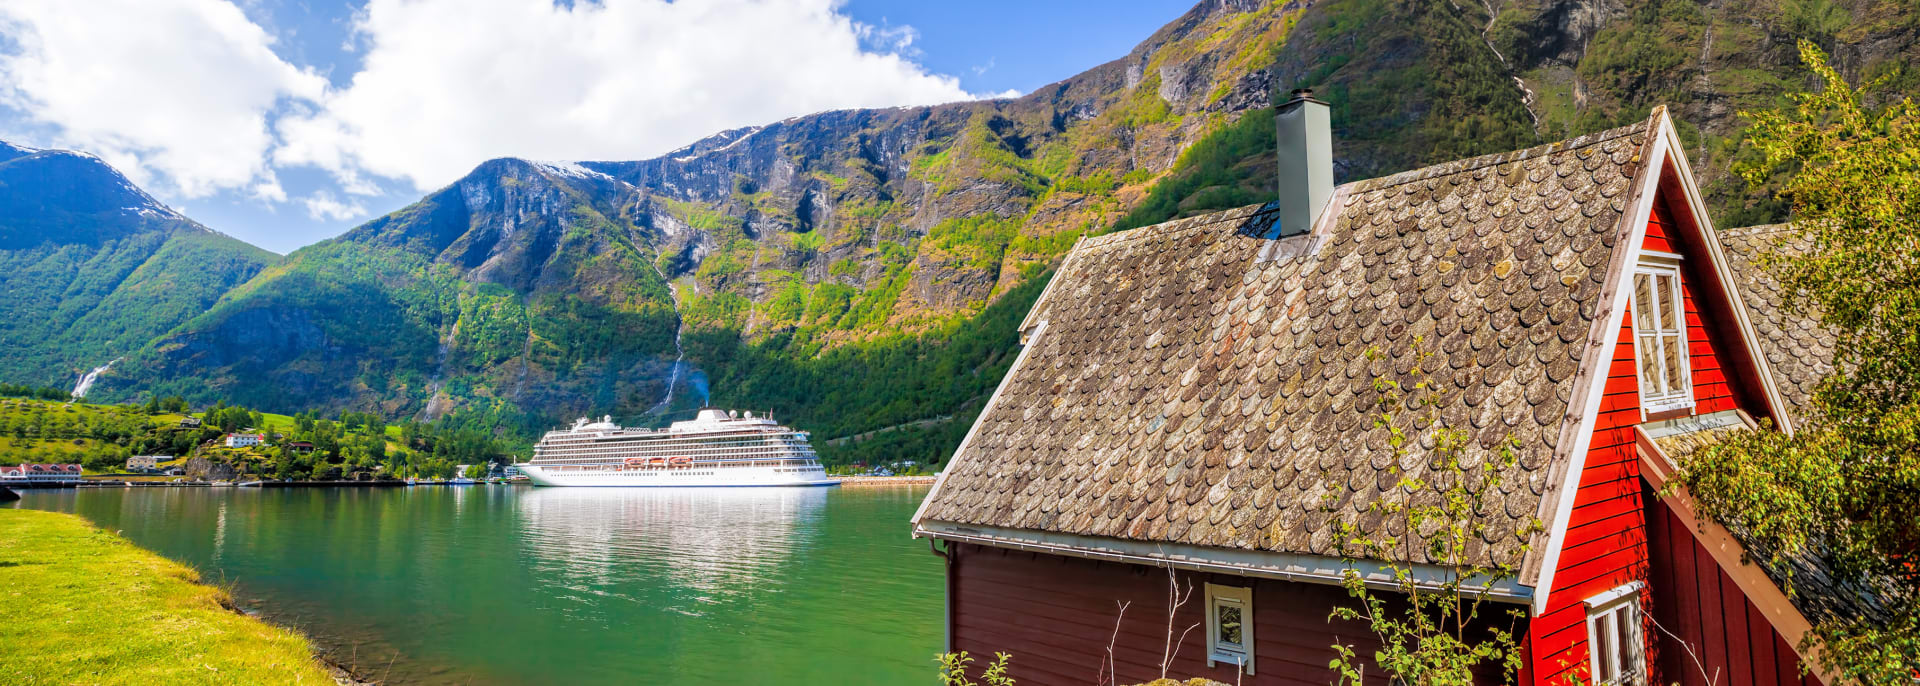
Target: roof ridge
[(1448, 168), (1495, 159), (1195, 221)]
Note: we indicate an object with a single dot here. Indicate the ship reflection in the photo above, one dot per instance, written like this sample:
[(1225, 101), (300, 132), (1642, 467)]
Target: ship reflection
[(703, 543)]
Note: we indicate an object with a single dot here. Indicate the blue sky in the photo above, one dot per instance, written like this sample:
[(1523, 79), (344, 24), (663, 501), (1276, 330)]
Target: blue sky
[(284, 122)]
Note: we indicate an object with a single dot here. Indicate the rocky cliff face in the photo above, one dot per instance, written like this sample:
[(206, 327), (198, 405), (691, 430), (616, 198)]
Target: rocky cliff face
[(558, 288)]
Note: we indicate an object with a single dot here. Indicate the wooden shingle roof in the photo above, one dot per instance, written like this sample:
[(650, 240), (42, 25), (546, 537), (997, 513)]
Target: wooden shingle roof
[(1201, 383)]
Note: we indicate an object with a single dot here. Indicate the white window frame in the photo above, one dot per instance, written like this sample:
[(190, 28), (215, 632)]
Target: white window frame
[(1652, 266), (1616, 614), (1219, 651)]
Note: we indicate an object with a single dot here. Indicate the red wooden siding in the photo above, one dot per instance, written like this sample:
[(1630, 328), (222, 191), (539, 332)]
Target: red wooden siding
[(1709, 617), (1056, 616)]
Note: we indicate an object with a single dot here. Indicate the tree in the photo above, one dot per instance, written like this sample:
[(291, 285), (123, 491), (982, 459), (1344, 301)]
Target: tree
[(1431, 633), (1846, 488)]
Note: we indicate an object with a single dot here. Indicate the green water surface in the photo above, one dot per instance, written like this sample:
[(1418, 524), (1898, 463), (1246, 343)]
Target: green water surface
[(522, 585)]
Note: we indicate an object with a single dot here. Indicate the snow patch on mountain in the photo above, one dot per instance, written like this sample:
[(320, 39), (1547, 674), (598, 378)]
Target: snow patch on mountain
[(571, 170)]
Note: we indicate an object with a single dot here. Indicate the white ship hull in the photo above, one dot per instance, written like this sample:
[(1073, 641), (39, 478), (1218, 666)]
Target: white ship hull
[(716, 448), (693, 476)]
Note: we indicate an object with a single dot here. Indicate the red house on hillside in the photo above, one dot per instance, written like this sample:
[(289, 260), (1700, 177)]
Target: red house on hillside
[(1195, 398)]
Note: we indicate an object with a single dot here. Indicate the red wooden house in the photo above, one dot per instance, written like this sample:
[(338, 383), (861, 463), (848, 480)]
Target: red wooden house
[(1192, 406)]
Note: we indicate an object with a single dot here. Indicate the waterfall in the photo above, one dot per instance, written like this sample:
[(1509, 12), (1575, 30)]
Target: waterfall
[(679, 327), (86, 380)]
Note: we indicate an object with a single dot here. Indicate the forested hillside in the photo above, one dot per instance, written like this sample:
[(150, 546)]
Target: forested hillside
[(92, 268), (863, 269)]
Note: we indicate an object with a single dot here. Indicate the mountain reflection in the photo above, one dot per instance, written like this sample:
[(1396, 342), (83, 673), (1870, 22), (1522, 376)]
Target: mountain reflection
[(711, 542)]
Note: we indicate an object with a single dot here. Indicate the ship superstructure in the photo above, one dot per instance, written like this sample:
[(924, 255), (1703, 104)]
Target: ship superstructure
[(716, 448)]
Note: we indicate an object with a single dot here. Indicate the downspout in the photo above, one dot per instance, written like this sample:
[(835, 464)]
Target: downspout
[(946, 609)]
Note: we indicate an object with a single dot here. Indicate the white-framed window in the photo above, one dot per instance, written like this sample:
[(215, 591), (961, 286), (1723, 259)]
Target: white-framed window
[(1619, 654), (1230, 626), (1660, 335)]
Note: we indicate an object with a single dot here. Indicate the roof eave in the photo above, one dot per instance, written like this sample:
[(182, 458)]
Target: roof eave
[(1293, 567)]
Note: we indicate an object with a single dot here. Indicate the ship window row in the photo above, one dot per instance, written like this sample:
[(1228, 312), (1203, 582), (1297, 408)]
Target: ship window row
[(801, 464), (628, 445), (700, 455), (730, 445), (675, 438), (672, 453)]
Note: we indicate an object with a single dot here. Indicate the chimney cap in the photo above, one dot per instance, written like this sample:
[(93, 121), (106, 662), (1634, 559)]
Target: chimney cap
[(1301, 95)]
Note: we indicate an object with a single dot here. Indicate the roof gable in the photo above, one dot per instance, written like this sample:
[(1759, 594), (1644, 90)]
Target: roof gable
[(1198, 383)]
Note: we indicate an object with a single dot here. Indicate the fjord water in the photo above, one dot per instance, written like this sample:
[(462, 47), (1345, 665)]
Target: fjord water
[(507, 585)]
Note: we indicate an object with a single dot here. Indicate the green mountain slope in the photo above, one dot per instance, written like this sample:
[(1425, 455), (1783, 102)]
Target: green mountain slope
[(92, 268), (858, 270), (511, 288)]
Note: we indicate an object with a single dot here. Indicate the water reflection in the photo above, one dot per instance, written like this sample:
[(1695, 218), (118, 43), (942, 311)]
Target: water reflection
[(703, 543)]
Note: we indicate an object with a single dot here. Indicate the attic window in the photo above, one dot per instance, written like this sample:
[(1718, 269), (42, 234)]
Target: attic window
[(1660, 335)]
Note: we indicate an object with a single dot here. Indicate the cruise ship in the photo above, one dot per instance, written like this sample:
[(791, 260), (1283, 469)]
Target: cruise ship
[(716, 448)]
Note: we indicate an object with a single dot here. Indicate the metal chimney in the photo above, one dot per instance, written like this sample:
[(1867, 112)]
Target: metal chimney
[(1305, 139)]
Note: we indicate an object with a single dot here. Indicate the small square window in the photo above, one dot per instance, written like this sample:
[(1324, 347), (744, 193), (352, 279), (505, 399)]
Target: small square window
[(1230, 626), (1618, 654)]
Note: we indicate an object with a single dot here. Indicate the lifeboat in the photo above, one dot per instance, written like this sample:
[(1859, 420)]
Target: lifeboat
[(636, 461), (680, 461), (658, 461)]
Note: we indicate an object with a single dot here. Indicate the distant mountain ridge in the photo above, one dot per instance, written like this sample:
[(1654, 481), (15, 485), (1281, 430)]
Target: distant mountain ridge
[(92, 268), (864, 268)]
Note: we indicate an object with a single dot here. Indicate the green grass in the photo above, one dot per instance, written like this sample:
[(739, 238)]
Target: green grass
[(85, 606)]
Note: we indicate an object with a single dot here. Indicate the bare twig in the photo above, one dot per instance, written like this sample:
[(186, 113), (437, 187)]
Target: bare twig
[(1109, 669), (1175, 600), (1711, 678)]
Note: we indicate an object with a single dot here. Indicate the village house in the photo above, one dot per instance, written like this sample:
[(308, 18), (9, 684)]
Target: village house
[(20, 474), (1194, 405), (244, 440), (300, 447), (146, 463), (190, 422)]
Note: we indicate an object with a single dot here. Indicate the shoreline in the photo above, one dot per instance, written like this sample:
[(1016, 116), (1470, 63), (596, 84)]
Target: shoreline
[(872, 481), (167, 623)]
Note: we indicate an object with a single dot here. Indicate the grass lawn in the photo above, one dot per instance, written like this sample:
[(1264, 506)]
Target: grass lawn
[(82, 606)]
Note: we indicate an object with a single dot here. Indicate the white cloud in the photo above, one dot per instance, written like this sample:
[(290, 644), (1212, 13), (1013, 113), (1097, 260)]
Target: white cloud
[(177, 94), (189, 98), (268, 190), (323, 206), (446, 84)]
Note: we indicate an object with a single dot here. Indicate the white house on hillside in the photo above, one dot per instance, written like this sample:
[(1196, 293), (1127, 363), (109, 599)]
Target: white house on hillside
[(245, 440)]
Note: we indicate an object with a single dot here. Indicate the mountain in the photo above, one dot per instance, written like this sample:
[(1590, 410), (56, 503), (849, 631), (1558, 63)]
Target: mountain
[(515, 283), (93, 268), (858, 270)]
